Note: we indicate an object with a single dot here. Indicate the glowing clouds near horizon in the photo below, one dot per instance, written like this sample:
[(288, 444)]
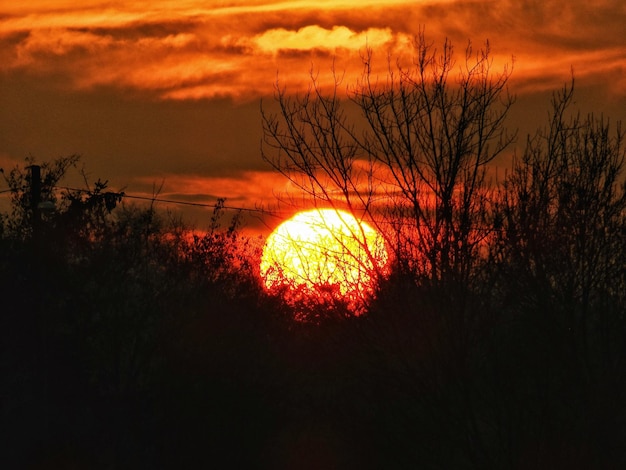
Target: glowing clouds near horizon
[(323, 257), (192, 49), (316, 37)]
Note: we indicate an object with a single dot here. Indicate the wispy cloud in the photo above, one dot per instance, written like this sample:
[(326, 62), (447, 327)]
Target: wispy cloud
[(247, 188), (316, 37), (121, 82), (192, 49)]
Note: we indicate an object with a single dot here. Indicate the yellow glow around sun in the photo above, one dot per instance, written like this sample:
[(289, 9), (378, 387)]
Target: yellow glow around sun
[(324, 254)]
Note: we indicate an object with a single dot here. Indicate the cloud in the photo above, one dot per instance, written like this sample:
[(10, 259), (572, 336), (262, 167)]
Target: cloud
[(45, 44), (316, 37), (137, 87), (191, 49), (248, 190)]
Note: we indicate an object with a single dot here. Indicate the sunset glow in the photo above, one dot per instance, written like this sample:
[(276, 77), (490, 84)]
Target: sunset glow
[(164, 90), (192, 49), (324, 253), (319, 234)]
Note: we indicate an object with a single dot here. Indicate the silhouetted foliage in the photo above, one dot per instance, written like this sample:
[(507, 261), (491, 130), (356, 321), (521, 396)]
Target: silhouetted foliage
[(497, 340), (560, 267), (499, 333), (100, 306)]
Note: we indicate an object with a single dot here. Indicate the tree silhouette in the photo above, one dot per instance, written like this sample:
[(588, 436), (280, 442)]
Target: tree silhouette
[(497, 339), (99, 311), (417, 156), (560, 277), (502, 324)]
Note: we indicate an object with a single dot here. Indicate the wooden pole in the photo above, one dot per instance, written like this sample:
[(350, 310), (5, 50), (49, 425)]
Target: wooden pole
[(35, 198)]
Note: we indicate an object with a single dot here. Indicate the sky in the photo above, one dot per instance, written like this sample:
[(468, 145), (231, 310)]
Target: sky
[(166, 93)]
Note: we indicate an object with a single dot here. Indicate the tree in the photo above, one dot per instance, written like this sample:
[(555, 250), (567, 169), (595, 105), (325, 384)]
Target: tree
[(503, 323), (563, 211), (559, 284), (102, 303), (410, 154), (414, 163)]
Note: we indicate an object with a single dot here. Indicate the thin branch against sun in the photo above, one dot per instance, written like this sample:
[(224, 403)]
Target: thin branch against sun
[(324, 256)]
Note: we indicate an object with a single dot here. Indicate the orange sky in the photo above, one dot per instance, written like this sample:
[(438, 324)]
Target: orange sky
[(157, 90)]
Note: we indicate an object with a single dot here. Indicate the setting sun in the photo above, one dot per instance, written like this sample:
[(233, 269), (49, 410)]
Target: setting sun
[(324, 255)]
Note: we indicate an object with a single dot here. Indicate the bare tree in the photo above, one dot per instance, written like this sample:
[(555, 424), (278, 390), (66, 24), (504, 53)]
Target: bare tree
[(564, 209), (562, 280), (413, 160)]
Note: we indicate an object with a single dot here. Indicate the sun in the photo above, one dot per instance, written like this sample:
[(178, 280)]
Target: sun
[(324, 255)]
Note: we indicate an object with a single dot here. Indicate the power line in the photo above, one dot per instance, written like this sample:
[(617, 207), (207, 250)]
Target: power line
[(182, 203), (277, 214)]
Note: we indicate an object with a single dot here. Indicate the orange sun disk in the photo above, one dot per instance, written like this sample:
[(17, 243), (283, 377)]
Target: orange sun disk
[(324, 254)]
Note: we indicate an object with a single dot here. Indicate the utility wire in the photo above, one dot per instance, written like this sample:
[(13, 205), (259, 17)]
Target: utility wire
[(182, 203), (277, 214), (198, 204)]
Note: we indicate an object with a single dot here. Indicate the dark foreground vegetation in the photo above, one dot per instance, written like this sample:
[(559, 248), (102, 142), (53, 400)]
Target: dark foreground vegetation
[(127, 343)]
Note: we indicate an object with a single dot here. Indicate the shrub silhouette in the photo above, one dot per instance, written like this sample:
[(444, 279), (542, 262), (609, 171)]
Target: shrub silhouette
[(497, 340)]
